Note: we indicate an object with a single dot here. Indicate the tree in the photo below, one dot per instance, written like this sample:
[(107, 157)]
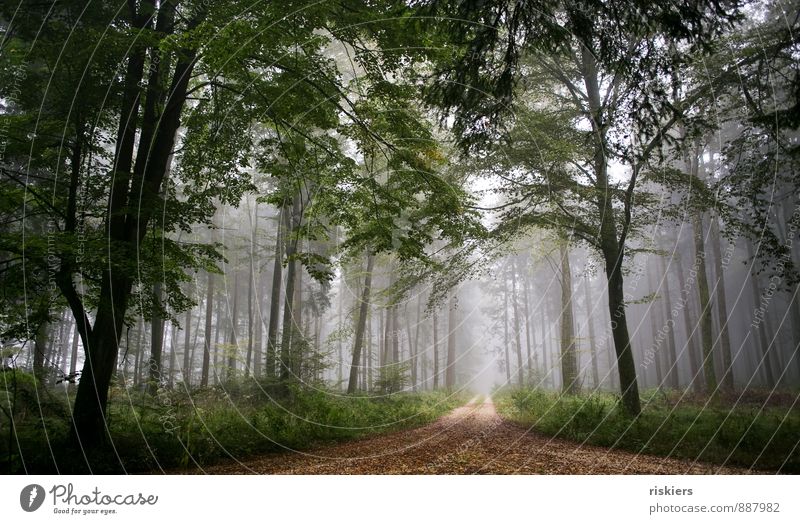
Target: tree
[(602, 60)]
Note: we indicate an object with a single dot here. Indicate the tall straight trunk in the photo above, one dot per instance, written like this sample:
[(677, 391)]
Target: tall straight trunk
[(569, 363), (395, 335), (250, 288), (529, 342), (694, 351), (387, 337), (340, 342), (207, 335), (722, 307), (258, 343), (221, 318), (156, 340), (361, 326), (233, 338), (369, 349), (415, 354), (290, 327), (410, 347), (173, 346), (673, 377), (40, 350), (73, 358), (706, 324), (275, 297), (545, 333), (762, 327), (505, 331), (450, 371), (587, 286), (611, 247), (654, 333), (435, 350), (186, 372), (517, 325)]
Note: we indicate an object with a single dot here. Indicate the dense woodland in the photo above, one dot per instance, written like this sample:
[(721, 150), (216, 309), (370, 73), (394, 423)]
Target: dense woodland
[(253, 204)]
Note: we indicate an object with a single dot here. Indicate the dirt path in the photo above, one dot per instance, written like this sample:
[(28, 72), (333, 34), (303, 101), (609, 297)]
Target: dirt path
[(471, 439)]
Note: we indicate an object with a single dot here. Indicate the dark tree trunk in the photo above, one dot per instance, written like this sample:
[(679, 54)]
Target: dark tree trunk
[(89, 423), (694, 352), (206, 334), (233, 336), (186, 372), (361, 326), (275, 298), (290, 328)]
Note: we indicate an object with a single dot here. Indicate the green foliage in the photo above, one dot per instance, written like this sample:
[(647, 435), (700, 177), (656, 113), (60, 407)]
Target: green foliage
[(746, 436), (393, 377), (242, 418)]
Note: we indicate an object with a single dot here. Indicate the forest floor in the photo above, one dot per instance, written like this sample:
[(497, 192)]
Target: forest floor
[(472, 439)]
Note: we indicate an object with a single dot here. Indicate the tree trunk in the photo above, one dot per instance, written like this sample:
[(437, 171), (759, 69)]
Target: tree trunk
[(450, 371), (587, 286), (761, 326), (612, 248), (435, 350), (569, 364), (529, 342), (233, 337), (186, 372), (156, 341), (706, 328), (89, 422), (694, 357), (361, 326), (290, 328), (673, 377), (275, 297), (207, 335), (722, 307), (517, 326)]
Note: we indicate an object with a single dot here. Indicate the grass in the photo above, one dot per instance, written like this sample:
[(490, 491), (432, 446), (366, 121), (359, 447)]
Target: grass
[(177, 430), (745, 436)]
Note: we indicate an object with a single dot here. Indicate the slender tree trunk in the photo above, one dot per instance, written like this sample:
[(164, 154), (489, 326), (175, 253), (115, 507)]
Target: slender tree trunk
[(233, 338), (654, 333), (673, 376), (569, 364), (528, 338), (275, 297), (73, 359), (156, 341), (173, 346), (186, 372), (706, 328), (39, 351), (361, 326), (290, 327), (694, 352), (760, 325), (207, 335), (517, 325), (587, 286), (722, 307), (450, 371), (435, 350), (506, 341)]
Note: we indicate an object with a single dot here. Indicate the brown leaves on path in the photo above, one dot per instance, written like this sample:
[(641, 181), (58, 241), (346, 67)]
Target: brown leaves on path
[(472, 439)]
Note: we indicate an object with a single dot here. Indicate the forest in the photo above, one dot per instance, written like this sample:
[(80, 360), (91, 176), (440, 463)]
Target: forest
[(429, 236)]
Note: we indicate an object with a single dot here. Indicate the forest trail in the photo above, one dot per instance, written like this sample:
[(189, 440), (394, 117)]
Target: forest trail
[(471, 439)]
